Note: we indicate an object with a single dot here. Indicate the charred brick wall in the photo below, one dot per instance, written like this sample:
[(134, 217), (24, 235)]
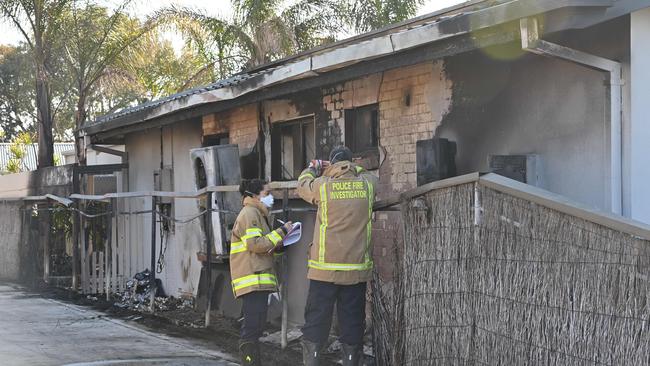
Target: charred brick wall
[(240, 123), (412, 101)]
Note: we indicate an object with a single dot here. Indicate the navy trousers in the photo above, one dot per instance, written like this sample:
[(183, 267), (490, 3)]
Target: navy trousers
[(255, 306), (350, 303)]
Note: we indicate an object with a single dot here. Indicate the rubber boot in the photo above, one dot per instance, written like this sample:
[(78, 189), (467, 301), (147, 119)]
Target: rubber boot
[(250, 353), (310, 353), (352, 355)]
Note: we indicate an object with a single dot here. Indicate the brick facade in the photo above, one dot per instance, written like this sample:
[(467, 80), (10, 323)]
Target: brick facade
[(241, 124), (428, 95), (412, 101)]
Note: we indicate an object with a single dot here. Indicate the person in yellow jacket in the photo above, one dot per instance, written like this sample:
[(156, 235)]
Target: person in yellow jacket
[(340, 258), (252, 247)]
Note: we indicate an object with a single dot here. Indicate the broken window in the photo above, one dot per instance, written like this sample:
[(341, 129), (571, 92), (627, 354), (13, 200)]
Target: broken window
[(292, 146), (215, 140), (362, 130)]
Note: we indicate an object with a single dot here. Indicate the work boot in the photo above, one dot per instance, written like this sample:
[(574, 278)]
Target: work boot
[(310, 353), (352, 355), (250, 353)]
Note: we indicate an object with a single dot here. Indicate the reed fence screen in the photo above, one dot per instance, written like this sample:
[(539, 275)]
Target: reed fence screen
[(485, 278)]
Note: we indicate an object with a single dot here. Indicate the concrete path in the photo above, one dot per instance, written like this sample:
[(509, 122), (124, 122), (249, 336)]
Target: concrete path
[(41, 332)]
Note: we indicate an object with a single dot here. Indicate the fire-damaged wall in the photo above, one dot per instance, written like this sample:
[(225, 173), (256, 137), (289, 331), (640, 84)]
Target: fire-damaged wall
[(239, 124), (409, 102), (507, 102)]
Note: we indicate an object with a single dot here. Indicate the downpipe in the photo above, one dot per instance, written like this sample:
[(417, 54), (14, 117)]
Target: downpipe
[(531, 42)]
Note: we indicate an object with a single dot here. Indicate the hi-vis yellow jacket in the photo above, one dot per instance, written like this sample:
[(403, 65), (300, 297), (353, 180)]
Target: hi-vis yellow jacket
[(341, 251), (251, 250)]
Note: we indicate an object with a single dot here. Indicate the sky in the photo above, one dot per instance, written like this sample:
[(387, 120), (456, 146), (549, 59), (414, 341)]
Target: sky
[(8, 35)]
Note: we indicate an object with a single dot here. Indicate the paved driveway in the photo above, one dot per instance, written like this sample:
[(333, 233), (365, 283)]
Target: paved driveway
[(41, 332)]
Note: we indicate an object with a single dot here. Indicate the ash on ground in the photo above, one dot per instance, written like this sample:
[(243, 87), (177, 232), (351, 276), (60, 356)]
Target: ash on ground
[(138, 295)]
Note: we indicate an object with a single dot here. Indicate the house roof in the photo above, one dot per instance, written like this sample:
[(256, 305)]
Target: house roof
[(445, 25), (238, 78), (29, 162)]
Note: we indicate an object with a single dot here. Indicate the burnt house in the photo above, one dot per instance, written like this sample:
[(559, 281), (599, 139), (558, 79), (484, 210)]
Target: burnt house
[(550, 93)]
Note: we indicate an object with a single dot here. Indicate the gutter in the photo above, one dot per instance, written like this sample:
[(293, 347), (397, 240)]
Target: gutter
[(531, 42)]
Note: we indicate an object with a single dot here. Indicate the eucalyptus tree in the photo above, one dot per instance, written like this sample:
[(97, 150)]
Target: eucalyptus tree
[(97, 42), (39, 22), (17, 108)]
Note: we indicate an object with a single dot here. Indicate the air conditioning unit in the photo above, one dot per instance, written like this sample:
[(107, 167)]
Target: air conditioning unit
[(219, 166), (522, 168)]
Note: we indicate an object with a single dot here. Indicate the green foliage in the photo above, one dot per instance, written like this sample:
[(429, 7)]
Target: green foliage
[(18, 151), (17, 103), (13, 166), (96, 43), (367, 15), (40, 23), (97, 60), (259, 32), (61, 223)]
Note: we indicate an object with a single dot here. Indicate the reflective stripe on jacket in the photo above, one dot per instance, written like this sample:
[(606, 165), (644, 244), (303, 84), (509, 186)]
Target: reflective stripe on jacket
[(341, 251), (251, 250)]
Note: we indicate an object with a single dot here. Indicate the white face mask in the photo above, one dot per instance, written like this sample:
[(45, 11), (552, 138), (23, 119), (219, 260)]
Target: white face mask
[(268, 200)]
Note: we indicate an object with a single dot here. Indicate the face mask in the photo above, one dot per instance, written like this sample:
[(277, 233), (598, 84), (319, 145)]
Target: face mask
[(268, 200)]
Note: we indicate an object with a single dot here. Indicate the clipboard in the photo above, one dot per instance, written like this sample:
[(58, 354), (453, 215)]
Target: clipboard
[(294, 235)]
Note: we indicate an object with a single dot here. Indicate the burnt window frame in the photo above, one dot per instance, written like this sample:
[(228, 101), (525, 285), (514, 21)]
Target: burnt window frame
[(351, 140), (216, 139), (299, 162)]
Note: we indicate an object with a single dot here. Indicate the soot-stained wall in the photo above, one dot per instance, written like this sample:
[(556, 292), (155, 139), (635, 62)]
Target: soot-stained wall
[(531, 104)]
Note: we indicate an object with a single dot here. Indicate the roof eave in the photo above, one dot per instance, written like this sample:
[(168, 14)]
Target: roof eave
[(346, 55)]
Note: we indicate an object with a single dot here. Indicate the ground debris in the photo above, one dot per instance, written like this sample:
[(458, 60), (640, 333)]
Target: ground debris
[(276, 338), (138, 295)]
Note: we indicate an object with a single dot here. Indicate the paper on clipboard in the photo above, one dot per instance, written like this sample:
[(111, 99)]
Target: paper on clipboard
[(294, 235)]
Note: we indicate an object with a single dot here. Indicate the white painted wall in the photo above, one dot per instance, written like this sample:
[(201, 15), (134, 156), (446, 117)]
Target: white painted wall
[(181, 271), (547, 107), (639, 130), (95, 157), (144, 156), (540, 105), (10, 240)]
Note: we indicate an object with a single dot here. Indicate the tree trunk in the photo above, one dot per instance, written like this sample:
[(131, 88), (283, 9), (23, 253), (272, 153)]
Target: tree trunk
[(80, 118), (43, 105)]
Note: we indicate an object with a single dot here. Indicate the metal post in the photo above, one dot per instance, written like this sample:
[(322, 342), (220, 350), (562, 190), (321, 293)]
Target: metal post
[(75, 231), (108, 264), (45, 221), (75, 246), (478, 213), (284, 276), (153, 254), (209, 241)]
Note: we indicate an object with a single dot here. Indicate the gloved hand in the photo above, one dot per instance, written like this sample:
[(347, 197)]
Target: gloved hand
[(287, 227), (318, 166)]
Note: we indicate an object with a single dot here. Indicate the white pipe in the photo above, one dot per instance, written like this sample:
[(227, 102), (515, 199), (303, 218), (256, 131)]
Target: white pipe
[(531, 42)]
